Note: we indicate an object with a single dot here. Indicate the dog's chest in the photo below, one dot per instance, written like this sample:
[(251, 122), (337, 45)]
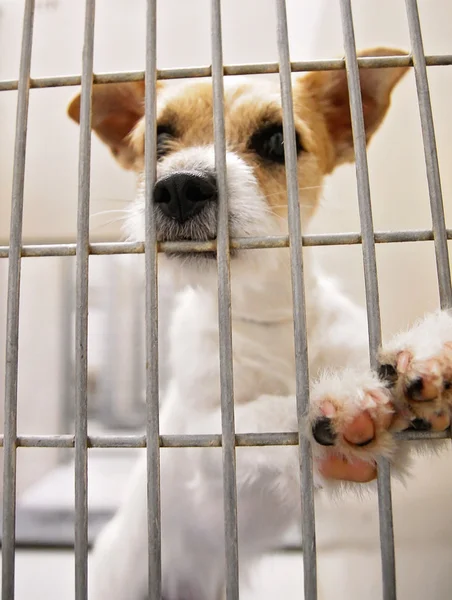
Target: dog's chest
[(263, 355)]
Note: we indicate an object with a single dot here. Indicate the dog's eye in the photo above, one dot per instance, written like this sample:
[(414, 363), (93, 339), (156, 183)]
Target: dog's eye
[(268, 143), (164, 137)]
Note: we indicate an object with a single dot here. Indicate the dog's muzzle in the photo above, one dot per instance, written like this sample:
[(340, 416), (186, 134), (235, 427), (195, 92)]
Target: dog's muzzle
[(183, 195)]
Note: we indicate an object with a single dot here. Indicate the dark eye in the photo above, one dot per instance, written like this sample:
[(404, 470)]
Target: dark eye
[(268, 143), (164, 137)]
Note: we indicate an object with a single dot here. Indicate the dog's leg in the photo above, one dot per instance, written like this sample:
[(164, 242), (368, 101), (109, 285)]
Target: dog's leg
[(192, 512), (191, 566), (350, 421), (353, 412), (118, 562), (350, 415), (417, 366)]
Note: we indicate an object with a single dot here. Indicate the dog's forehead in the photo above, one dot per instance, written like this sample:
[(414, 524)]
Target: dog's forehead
[(194, 99)]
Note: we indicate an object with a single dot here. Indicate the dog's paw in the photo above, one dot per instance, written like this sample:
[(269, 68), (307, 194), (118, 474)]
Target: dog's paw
[(349, 420), (417, 367)]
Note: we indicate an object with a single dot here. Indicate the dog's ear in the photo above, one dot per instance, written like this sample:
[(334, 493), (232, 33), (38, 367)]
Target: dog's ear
[(329, 92), (116, 110)]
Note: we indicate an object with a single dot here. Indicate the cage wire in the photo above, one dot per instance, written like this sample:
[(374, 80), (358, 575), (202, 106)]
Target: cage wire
[(82, 249)]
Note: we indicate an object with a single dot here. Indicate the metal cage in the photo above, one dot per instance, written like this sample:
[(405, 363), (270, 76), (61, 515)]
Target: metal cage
[(228, 440)]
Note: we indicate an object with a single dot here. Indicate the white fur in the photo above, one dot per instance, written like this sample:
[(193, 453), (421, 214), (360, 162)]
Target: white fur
[(264, 388)]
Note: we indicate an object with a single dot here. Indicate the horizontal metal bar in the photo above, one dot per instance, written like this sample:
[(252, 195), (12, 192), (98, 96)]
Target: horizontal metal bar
[(333, 64), (44, 546), (192, 441), (62, 545), (248, 243)]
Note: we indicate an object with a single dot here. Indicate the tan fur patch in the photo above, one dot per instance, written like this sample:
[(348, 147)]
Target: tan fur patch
[(322, 121), (190, 116)]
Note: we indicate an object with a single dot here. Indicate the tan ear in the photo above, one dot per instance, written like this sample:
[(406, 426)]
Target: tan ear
[(329, 91), (116, 109)]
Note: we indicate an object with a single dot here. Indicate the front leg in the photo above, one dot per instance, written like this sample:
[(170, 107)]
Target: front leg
[(268, 501), (417, 365), (192, 509), (118, 561), (354, 412), (349, 422)]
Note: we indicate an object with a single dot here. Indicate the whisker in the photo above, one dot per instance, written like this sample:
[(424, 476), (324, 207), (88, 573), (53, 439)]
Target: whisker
[(110, 212), (302, 204), (101, 225), (310, 187), (107, 199)]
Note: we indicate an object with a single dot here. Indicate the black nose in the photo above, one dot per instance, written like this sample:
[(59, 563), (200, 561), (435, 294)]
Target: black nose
[(183, 195)]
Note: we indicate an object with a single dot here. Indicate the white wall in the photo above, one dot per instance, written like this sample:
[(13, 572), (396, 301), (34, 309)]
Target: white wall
[(408, 284)]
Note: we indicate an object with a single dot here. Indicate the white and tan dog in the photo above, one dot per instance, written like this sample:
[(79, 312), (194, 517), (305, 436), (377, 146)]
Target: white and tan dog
[(353, 411)]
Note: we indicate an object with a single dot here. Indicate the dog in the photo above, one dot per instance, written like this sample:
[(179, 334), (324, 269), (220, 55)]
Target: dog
[(353, 411)]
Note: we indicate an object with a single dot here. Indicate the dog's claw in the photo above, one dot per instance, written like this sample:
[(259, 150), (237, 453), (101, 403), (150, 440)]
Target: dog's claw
[(323, 432), (422, 357), (388, 373), (414, 389), (420, 425)]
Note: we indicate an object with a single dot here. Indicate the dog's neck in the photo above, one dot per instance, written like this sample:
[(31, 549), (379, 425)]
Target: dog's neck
[(259, 296), (267, 301)]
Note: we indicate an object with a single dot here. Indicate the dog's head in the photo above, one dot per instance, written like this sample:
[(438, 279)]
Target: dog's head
[(185, 194)]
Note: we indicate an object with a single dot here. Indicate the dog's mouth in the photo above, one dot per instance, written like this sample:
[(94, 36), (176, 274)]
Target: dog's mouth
[(173, 234), (202, 228), (190, 257)]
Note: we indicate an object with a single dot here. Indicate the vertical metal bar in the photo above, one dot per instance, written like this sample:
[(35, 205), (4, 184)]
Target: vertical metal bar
[(224, 310), (371, 285), (137, 348), (81, 312), (152, 368), (12, 315), (108, 401), (299, 307), (66, 344), (431, 156)]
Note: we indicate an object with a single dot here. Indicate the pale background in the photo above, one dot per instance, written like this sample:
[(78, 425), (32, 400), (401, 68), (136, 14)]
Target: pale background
[(349, 564)]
